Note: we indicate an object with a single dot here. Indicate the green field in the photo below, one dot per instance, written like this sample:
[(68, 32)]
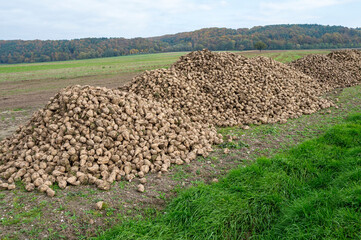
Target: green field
[(118, 65), (89, 67), (284, 56)]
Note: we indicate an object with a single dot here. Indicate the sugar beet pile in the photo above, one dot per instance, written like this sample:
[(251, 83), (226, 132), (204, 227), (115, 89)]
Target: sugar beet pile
[(93, 135), (337, 69), (97, 135), (226, 89)]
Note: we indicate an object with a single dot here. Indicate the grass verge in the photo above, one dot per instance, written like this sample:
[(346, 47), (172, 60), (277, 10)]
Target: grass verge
[(312, 191)]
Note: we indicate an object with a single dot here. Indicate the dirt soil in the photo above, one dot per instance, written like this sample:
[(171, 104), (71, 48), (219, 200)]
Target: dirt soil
[(71, 214), (20, 99), (35, 93)]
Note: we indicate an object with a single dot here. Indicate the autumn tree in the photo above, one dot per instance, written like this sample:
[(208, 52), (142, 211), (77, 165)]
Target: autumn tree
[(260, 45)]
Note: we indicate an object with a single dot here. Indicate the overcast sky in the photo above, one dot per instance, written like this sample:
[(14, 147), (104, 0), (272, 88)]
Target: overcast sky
[(69, 19)]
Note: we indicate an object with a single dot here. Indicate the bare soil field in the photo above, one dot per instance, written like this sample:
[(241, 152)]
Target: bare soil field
[(35, 93)]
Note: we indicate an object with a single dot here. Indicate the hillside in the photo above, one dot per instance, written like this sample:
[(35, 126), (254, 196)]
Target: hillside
[(294, 36)]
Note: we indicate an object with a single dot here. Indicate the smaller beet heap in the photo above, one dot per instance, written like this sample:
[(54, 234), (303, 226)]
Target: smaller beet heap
[(93, 135), (338, 69)]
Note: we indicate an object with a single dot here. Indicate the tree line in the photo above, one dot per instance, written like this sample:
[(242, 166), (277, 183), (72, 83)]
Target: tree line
[(292, 36)]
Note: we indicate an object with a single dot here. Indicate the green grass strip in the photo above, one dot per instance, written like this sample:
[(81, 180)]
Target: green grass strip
[(313, 191)]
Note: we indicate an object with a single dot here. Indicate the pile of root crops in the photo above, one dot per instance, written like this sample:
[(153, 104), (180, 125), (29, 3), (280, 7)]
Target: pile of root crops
[(93, 135), (226, 89), (338, 69)]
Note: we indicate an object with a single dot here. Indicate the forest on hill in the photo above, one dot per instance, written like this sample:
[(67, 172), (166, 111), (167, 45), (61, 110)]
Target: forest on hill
[(290, 36)]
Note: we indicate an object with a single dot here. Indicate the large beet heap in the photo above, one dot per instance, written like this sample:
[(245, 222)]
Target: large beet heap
[(97, 135), (226, 89), (337, 69)]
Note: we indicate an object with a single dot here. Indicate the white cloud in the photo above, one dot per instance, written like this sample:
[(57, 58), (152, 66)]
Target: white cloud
[(82, 18), (301, 11), (64, 19), (300, 5)]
